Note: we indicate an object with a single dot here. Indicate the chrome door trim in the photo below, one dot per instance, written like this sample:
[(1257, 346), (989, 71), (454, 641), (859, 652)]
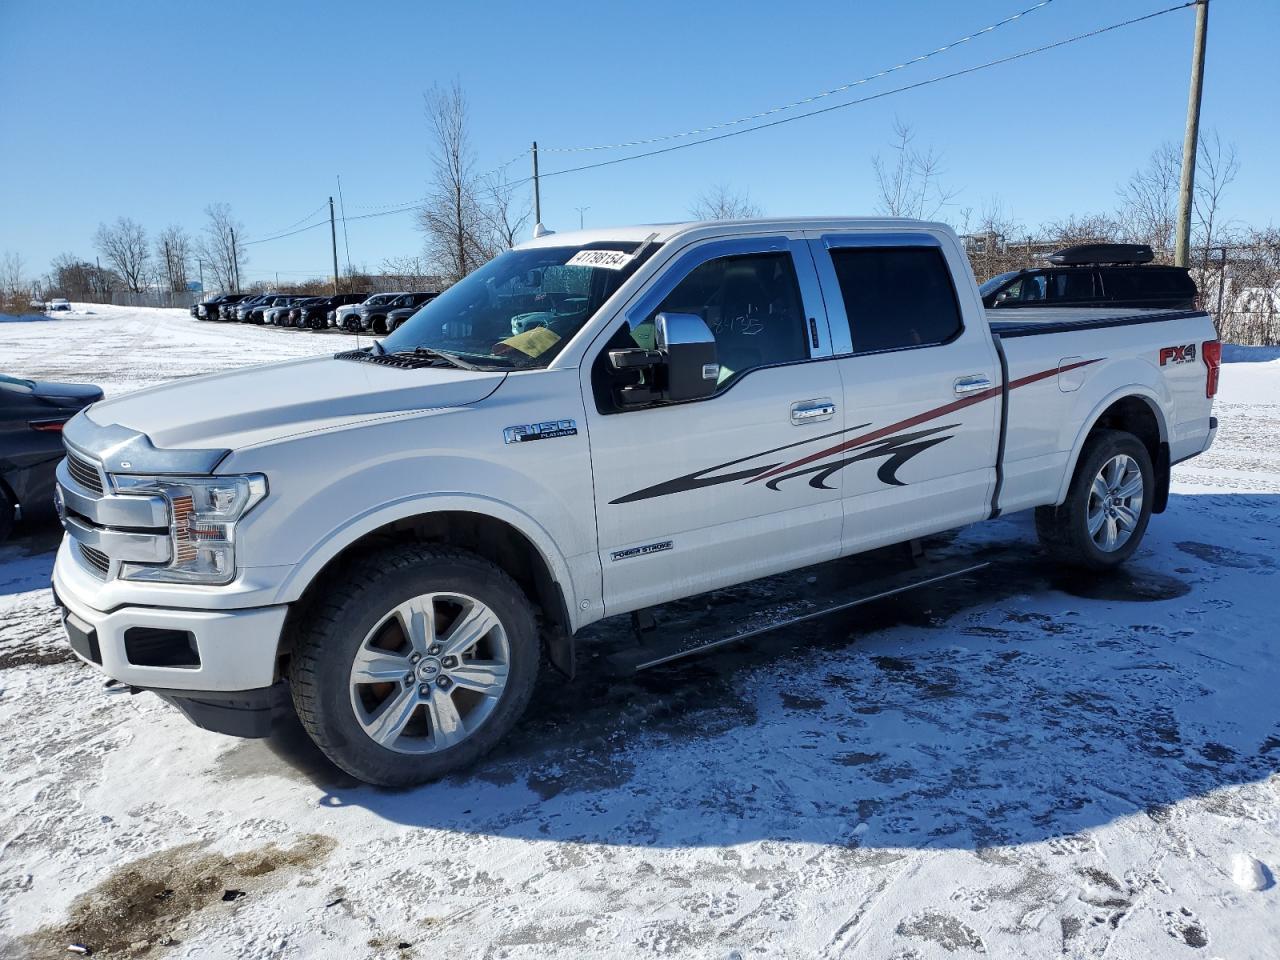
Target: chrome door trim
[(971, 384)]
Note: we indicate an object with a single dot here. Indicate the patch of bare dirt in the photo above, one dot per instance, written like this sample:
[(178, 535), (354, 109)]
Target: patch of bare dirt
[(138, 910)]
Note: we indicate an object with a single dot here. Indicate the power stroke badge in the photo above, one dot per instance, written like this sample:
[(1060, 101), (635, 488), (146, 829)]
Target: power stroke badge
[(540, 431), (644, 551)]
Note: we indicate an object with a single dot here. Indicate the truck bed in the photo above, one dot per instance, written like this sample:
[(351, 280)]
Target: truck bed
[(1009, 322)]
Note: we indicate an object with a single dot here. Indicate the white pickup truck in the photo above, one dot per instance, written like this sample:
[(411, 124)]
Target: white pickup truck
[(592, 424)]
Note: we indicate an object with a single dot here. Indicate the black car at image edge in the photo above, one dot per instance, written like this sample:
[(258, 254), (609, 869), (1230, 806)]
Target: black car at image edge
[(32, 413)]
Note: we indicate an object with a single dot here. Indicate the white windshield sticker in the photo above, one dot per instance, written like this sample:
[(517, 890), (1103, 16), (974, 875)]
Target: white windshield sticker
[(608, 259)]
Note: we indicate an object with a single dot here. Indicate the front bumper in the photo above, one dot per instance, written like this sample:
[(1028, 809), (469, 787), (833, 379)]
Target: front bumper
[(233, 650)]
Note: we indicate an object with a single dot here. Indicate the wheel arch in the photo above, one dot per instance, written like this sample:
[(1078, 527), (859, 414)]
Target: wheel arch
[(1135, 410), (496, 532)]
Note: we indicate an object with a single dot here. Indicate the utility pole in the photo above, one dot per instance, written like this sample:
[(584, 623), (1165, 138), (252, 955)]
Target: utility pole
[(333, 236), (1186, 192), (537, 195), (200, 264), (581, 211), (235, 264)]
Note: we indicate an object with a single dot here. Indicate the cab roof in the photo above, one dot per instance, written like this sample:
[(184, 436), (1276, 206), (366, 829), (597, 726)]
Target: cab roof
[(669, 231)]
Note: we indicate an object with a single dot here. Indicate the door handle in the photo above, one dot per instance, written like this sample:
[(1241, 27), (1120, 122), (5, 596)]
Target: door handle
[(972, 384), (807, 411)]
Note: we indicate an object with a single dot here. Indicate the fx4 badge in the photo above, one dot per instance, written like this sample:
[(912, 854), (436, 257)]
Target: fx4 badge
[(540, 431), (1183, 354)]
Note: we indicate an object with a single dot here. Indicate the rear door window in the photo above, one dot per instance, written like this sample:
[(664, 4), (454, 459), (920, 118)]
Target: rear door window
[(1069, 286), (897, 297)]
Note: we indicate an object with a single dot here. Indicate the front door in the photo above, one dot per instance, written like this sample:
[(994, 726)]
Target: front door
[(677, 510)]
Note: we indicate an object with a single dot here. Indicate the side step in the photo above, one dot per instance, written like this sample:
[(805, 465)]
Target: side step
[(687, 628)]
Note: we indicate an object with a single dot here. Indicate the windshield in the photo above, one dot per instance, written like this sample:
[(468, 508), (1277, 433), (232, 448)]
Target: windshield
[(521, 308), (995, 281)]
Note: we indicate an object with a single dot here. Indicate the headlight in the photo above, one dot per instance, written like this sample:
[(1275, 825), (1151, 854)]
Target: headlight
[(202, 517)]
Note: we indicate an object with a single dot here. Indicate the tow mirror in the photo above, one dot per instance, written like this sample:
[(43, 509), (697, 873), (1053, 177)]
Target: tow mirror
[(682, 365), (689, 347)]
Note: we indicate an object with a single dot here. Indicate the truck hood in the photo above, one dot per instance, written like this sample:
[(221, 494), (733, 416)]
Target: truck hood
[(194, 423)]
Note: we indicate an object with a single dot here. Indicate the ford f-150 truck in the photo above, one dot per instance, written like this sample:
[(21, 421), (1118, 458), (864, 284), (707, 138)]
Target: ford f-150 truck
[(592, 424)]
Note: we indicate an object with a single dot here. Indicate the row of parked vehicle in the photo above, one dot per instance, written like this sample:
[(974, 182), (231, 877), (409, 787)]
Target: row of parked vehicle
[(378, 313)]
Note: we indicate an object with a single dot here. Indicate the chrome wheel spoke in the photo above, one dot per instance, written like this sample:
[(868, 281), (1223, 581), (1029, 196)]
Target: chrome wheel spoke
[(1131, 487), (1110, 534), (392, 717), (446, 724), (469, 630), (1095, 522), (1100, 490), (417, 619), (373, 665), (1126, 518), (483, 676)]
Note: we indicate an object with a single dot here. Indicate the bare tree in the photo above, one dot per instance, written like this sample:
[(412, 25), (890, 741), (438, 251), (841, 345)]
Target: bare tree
[(452, 216), (505, 215), (409, 273), (13, 288), (173, 257), (123, 244), (1149, 198), (1216, 169), (221, 247), (911, 185), (722, 202), (1083, 228)]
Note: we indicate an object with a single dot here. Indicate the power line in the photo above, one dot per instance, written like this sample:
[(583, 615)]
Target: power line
[(294, 224), (281, 236), (697, 131), (404, 207), (875, 96)]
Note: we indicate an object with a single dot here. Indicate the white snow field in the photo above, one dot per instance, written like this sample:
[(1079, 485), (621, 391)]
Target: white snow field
[(1024, 764)]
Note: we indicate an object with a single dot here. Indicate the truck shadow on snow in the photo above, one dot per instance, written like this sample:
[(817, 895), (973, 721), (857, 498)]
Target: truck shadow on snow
[(1021, 705)]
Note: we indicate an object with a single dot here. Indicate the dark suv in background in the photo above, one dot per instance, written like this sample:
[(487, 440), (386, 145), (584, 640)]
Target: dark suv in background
[(399, 315), (210, 309), (1095, 275), (315, 313), (373, 316)]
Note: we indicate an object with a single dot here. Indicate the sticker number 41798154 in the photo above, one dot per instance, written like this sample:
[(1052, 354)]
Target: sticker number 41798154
[(1182, 354)]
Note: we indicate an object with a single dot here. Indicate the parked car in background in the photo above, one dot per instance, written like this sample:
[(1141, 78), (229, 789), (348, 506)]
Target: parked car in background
[(400, 314), (373, 316), (277, 314), (58, 303), (1095, 275), (257, 312), (212, 309), (37, 304), (32, 413), (348, 317), (316, 315), (240, 311)]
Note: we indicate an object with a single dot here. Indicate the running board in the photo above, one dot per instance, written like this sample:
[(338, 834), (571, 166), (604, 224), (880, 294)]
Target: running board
[(696, 631)]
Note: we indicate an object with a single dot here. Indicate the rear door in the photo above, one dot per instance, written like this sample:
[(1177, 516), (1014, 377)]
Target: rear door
[(677, 510), (921, 387)]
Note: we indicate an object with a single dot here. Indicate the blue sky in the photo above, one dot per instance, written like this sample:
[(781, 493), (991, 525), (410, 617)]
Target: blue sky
[(153, 110)]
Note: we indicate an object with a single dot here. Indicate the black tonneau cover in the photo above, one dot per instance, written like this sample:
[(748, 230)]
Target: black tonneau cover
[(1033, 321)]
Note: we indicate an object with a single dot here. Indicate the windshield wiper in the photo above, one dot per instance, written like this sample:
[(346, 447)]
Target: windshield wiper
[(437, 355)]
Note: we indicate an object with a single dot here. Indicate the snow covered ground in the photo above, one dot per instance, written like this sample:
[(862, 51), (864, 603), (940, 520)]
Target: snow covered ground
[(1028, 764)]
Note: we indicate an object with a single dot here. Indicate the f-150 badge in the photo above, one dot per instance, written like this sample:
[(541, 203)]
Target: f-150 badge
[(540, 431)]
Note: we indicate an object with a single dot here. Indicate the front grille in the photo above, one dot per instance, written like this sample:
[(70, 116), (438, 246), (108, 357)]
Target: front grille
[(96, 559), (85, 473)]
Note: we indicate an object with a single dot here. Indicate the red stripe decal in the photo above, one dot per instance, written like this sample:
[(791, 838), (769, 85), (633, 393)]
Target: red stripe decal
[(919, 418)]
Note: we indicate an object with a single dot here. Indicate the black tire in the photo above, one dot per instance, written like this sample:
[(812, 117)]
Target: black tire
[(1063, 530), (352, 325), (352, 606), (8, 514)]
